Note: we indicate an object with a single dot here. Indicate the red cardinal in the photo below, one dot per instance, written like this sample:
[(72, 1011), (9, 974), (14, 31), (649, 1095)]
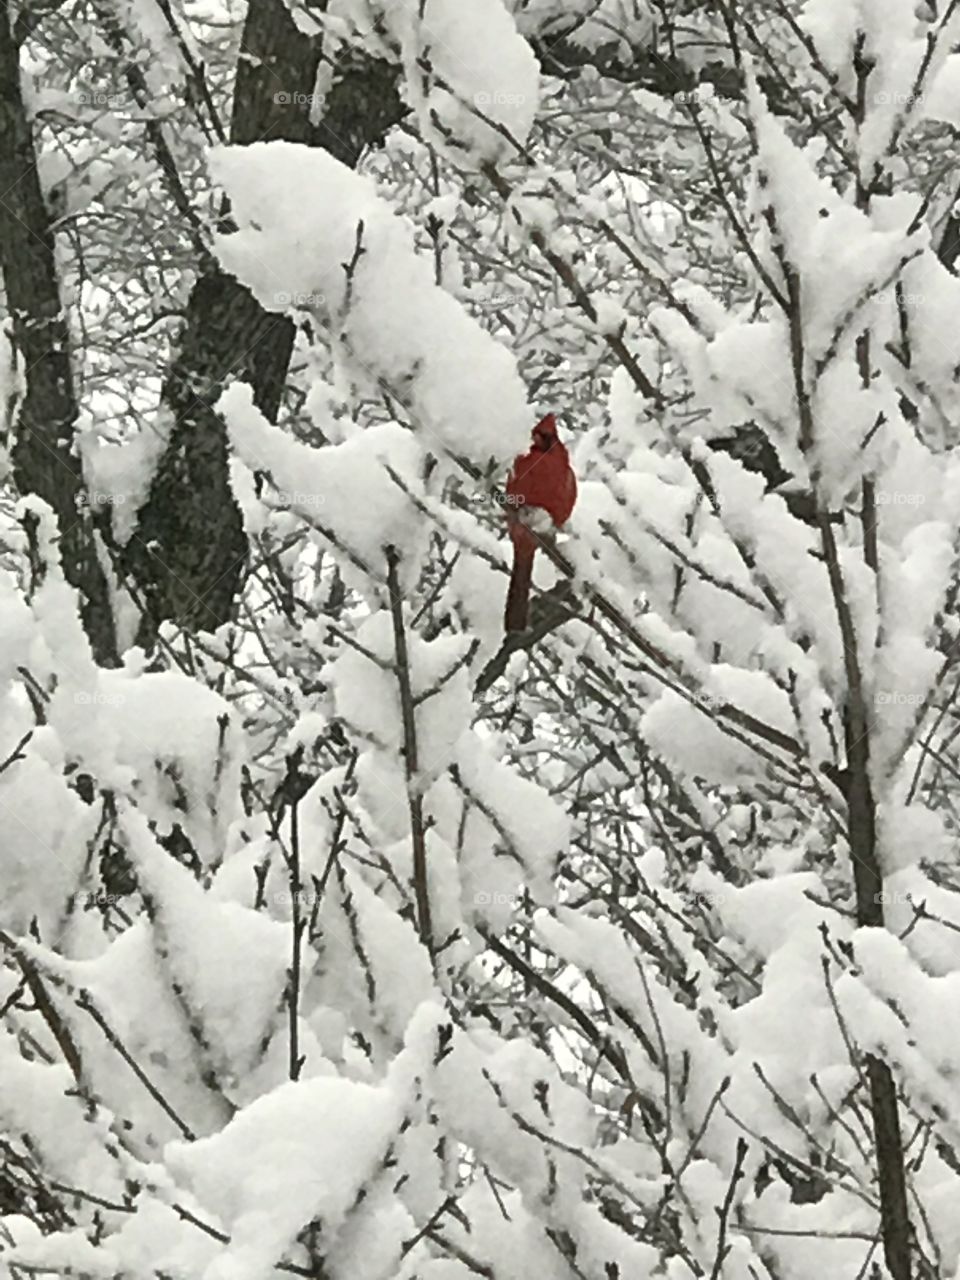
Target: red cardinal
[(541, 481)]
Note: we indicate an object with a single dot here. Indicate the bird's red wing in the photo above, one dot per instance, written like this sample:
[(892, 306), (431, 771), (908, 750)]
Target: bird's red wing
[(523, 463), (541, 478), (564, 507), (544, 479), (558, 485)]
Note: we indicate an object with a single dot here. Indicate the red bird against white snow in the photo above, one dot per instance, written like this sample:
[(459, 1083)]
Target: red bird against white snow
[(542, 480)]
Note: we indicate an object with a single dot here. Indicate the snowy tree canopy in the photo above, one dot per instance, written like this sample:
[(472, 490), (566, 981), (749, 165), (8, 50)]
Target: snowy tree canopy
[(343, 935)]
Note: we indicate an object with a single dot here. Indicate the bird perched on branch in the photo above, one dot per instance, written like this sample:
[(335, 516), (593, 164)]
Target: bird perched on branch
[(540, 495)]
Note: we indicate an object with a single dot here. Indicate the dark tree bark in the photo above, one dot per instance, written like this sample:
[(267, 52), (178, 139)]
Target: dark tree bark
[(44, 459), (188, 554), (186, 559)]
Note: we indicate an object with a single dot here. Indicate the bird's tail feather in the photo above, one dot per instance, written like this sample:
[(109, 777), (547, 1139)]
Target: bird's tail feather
[(518, 593)]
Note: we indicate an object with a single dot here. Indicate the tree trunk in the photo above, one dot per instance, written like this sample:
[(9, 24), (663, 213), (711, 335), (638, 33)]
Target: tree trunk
[(43, 453), (188, 554)]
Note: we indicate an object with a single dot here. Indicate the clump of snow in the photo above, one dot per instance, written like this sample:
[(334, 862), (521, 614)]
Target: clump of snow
[(392, 978), (203, 944), (534, 828), (839, 254), (688, 734), (942, 102), (313, 1150), (833, 29), (303, 219), (302, 1152), (118, 476), (479, 69), (42, 849), (166, 739), (342, 490)]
